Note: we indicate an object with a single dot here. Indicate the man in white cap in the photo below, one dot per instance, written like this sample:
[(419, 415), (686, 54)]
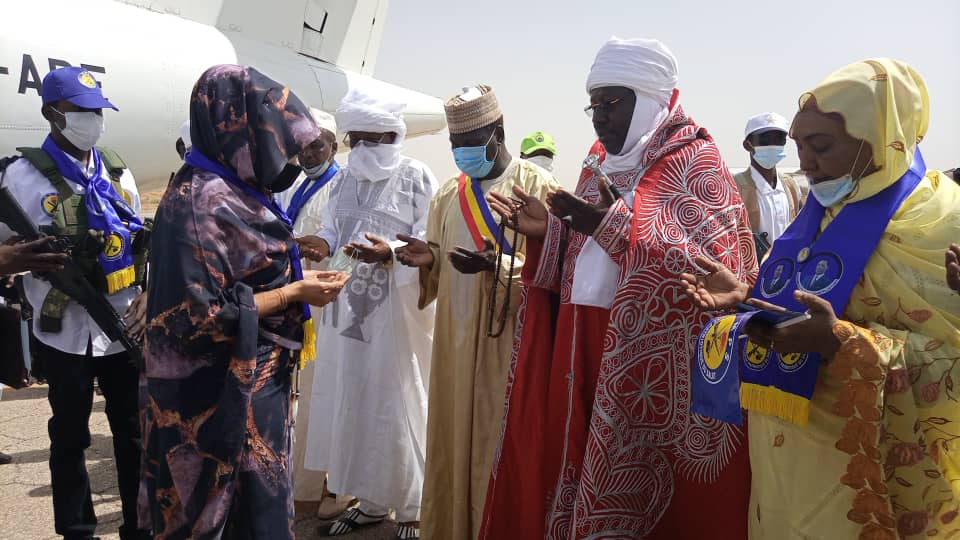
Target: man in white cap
[(472, 342), (626, 457), (772, 198), (368, 420), (304, 202)]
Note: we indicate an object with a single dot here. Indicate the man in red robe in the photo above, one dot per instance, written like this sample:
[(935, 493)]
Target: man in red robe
[(599, 439)]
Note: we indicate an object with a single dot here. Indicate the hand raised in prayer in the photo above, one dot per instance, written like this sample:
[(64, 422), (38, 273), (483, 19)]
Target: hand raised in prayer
[(378, 250), (953, 267), (136, 317), (474, 262), (319, 288), (529, 216), (581, 215), (313, 248), (814, 335), (716, 289), (416, 253)]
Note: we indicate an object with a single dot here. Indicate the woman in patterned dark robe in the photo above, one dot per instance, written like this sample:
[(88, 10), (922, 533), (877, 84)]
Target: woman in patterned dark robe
[(225, 318)]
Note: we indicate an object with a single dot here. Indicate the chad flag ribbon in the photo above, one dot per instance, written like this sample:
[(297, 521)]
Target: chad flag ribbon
[(479, 217), (829, 266)]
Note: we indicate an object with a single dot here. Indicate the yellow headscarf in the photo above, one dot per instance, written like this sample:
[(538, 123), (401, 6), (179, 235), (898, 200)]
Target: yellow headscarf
[(895, 372), (883, 102)]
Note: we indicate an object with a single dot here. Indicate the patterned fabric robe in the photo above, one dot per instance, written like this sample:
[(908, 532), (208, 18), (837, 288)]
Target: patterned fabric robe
[(633, 461), (215, 399)]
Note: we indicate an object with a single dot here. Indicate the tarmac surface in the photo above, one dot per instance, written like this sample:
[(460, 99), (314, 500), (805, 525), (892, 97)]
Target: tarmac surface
[(26, 505)]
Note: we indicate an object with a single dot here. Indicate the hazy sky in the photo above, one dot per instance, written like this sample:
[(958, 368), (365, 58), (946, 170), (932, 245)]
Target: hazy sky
[(736, 59)]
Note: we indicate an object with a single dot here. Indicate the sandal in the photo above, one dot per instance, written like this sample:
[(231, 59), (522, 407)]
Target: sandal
[(349, 523), (332, 506), (407, 532)]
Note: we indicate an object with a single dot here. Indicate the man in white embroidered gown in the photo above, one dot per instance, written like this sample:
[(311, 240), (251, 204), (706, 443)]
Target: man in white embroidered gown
[(369, 402)]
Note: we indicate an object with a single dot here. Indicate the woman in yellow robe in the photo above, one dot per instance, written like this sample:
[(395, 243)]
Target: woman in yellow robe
[(880, 456)]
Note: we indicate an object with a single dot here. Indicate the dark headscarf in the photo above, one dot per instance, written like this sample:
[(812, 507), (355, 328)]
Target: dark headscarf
[(248, 122), (215, 245)]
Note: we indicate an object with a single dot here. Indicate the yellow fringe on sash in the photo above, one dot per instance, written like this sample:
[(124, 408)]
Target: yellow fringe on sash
[(121, 279), (309, 351), (775, 402)]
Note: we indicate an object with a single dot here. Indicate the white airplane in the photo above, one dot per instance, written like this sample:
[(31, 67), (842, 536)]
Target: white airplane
[(148, 54)]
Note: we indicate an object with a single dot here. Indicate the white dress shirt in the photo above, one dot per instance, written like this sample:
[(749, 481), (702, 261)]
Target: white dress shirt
[(31, 188), (774, 205)]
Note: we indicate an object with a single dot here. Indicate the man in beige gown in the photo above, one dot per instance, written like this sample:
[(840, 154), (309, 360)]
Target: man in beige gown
[(457, 266)]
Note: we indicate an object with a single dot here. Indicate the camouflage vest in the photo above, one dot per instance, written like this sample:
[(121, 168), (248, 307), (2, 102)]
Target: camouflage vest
[(70, 220)]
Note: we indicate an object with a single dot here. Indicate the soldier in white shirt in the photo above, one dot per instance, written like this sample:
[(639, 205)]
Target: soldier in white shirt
[(773, 198), (58, 186)]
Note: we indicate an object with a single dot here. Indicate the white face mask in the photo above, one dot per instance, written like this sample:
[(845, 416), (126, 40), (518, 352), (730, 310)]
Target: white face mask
[(82, 129), (543, 161), (317, 171), (374, 161), (830, 192)]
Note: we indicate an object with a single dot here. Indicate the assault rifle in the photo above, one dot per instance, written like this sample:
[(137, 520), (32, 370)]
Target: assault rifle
[(71, 280)]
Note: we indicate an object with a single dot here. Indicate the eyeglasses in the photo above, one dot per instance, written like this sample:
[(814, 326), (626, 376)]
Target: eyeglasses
[(351, 141), (603, 107)]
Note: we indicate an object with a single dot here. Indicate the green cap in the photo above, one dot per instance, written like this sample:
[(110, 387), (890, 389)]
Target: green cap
[(538, 140)]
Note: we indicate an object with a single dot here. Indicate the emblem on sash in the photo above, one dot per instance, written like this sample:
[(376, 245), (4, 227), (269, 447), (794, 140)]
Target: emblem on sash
[(776, 277), (820, 274), (714, 360), (757, 356), (113, 247)]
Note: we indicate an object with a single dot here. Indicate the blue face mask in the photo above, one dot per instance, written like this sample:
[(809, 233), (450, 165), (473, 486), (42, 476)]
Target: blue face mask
[(768, 156), (472, 160), (830, 192)]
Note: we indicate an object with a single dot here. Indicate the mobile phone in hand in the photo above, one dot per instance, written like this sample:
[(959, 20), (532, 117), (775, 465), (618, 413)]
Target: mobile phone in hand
[(773, 317)]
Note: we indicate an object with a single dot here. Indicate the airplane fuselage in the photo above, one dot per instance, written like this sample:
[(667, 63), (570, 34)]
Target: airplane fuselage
[(147, 63)]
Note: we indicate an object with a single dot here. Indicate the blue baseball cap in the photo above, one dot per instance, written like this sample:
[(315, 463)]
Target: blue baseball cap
[(75, 85)]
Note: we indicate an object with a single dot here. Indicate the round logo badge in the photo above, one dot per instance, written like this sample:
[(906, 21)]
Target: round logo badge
[(776, 276), (821, 273), (539, 138), (49, 203), (757, 356), (113, 246), (87, 79), (713, 359), (791, 362)]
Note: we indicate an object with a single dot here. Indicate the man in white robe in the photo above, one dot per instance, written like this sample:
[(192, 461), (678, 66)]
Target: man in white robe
[(369, 402)]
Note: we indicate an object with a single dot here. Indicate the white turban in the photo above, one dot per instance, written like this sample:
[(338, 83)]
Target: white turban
[(644, 65), (324, 120), (185, 134), (362, 110)]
